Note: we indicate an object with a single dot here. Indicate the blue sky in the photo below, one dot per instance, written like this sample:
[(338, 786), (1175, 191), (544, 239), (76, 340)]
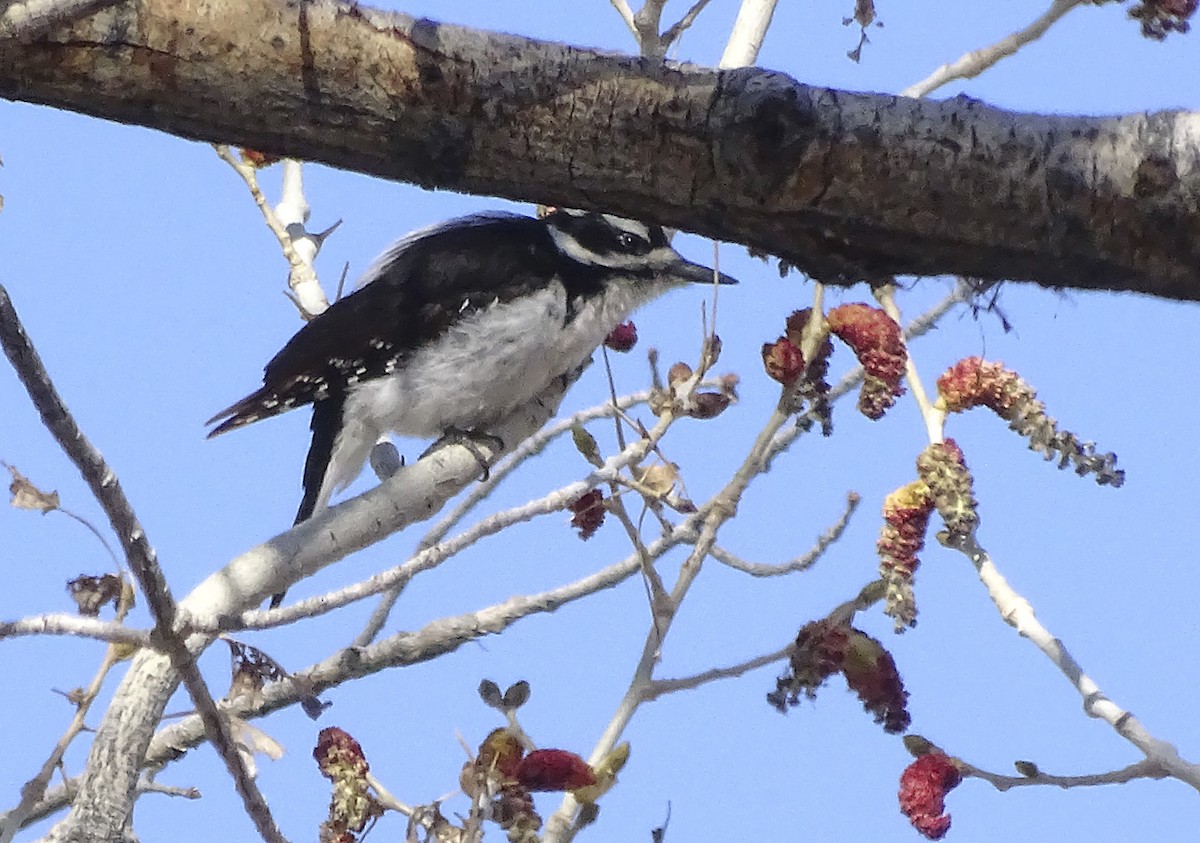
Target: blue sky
[(153, 291)]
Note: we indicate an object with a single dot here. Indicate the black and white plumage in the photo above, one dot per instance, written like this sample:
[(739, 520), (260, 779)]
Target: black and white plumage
[(455, 327)]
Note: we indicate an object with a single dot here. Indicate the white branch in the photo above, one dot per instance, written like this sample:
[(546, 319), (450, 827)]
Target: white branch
[(975, 62), (749, 31), (113, 632), (1017, 611)]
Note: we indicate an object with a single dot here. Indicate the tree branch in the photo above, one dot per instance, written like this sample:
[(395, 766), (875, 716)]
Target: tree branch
[(28, 19), (846, 187)]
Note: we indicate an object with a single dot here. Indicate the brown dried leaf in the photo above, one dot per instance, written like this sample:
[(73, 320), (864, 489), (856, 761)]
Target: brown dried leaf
[(25, 495), (658, 479), (90, 593)]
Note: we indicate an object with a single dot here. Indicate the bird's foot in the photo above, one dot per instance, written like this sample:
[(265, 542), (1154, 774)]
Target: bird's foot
[(471, 440)]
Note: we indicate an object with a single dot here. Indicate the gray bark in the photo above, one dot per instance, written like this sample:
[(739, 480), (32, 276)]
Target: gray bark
[(847, 187)]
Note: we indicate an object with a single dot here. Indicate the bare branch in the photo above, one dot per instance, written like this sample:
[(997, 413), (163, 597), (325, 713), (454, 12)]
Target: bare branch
[(977, 61), (431, 557), (845, 186), (800, 563), (749, 31), (626, 13), (114, 632), (1018, 613), (29, 19), (659, 687), (1144, 769)]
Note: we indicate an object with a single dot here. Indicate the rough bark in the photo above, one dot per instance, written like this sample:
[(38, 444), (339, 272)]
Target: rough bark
[(847, 187)]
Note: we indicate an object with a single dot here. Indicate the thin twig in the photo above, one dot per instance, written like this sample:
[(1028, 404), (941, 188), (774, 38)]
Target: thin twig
[(975, 62), (114, 632), (659, 687), (302, 278), (800, 563), (683, 24), (1144, 769)]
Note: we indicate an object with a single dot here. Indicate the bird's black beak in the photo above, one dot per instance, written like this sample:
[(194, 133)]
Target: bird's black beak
[(696, 273)]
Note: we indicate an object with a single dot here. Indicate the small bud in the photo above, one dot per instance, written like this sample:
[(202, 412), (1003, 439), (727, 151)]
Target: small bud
[(1027, 769), (586, 445), (678, 373)]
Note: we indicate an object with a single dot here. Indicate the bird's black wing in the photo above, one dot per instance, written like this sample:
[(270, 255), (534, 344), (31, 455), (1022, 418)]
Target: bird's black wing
[(412, 295)]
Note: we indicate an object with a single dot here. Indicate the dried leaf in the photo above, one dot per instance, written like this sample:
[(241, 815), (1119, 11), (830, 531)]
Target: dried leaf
[(25, 495), (659, 479), (252, 741), (90, 593)]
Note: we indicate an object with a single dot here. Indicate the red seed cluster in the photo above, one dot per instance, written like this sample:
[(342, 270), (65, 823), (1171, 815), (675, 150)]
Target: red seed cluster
[(877, 342), (340, 759), (588, 513), (825, 647), (871, 673), (783, 361), (975, 382), (944, 469), (923, 788), (906, 514), (554, 769), (622, 338)]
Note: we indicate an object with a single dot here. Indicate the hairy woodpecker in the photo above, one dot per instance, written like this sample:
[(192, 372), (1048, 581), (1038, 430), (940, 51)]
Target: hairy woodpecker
[(455, 327)]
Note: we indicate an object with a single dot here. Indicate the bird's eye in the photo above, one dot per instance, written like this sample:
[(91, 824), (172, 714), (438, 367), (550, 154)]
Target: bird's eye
[(627, 241)]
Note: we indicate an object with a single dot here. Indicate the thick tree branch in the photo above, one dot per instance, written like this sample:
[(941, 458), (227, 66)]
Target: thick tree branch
[(847, 187)]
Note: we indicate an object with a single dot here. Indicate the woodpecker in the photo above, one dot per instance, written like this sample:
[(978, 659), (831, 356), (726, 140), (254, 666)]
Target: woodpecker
[(455, 327)]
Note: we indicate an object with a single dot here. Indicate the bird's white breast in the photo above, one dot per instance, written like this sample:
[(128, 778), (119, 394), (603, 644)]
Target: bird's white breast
[(491, 362)]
